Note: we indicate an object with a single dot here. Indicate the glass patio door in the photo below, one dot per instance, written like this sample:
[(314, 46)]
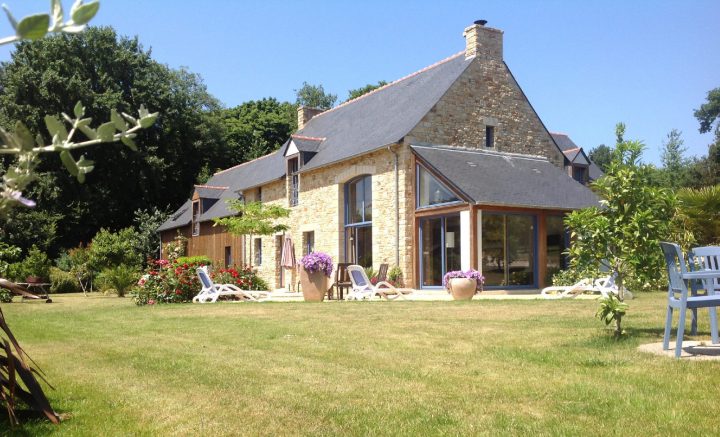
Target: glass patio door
[(508, 250), (439, 248)]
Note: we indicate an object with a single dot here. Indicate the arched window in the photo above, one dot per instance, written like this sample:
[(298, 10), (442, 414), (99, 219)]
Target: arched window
[(358, 221)]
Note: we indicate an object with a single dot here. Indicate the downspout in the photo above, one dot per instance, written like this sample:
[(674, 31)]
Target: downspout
[(397, 208)]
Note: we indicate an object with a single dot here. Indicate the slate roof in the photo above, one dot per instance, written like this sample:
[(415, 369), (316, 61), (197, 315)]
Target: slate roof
[(372, 121), (506, 179), (241, 177), (383, 116)]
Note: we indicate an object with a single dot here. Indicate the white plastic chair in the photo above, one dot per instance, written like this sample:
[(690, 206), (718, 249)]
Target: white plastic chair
[(211, 292), (363, 289)]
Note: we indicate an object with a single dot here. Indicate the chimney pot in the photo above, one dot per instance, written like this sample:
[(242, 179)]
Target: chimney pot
[(481, 22)]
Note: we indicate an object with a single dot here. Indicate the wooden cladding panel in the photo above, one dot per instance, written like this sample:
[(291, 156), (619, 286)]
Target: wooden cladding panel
[(211, 243)]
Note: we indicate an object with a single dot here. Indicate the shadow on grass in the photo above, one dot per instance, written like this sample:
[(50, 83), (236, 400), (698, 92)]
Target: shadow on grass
[(29, 420)]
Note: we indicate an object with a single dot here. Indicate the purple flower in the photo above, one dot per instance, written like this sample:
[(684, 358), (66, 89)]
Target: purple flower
[(317, 262), (470, 274)]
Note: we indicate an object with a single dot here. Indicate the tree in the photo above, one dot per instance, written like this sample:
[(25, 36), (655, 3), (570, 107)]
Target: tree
[(314, 96), (601, 156), (254, 218), (21, 171), (623, 233), (701, 208), (709, 112), (357, 92), (705, 171), (107, 72), (146, 223), (256, 128), (675, 166)]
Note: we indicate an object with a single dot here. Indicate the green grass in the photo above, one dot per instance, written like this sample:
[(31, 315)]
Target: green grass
[(360, 368)]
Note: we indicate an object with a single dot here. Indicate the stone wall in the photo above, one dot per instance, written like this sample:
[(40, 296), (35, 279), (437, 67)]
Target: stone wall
[(321, 210), (486, 94)]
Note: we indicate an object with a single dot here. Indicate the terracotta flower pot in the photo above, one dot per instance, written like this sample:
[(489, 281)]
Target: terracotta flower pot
[(314, 285), (462, 288)]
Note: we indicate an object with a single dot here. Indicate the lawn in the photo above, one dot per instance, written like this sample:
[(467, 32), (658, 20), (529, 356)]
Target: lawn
[(360, 368)]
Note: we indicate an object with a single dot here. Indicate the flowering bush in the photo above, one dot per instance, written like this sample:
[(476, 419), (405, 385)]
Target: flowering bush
[(174, 282), (167, 282), (245, 278), (470, 274), (317, 262)]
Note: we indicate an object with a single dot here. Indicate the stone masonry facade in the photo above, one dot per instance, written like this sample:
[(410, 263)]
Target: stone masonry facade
[(321, 210), (486, 95)]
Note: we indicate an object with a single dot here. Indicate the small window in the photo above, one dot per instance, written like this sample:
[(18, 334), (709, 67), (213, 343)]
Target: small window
[(308, 242), (258, 251), (431, 191), (228, 256), (196, 218), (489, 136), (579, 174), (293, 181)]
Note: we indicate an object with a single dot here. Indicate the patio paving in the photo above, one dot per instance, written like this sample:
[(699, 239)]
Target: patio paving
[(691, 350)]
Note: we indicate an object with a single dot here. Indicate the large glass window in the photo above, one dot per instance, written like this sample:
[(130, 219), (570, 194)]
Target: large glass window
[(439, 248), (508, 250), (358, 221), (431, 191)]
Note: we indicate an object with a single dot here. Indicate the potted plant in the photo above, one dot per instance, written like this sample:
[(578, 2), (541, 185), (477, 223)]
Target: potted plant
[(463, 285), (316, 268)]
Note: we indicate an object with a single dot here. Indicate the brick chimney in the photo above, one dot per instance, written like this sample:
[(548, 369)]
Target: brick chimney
[(305, 114), (483, 42)]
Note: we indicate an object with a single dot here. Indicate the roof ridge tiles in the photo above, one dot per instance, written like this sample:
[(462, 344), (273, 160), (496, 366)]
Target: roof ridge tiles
[(304, 137), (212, 187), (440, 62)]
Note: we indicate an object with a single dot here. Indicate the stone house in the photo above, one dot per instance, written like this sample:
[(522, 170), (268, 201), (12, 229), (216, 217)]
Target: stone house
[(447, 168)]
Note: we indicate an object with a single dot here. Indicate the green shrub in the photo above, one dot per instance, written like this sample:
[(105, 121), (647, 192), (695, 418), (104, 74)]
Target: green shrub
[(63, 282), (395, 276), (197, 260), (119, 278), (36, 263), (6, 295), (111, 249), (8, 254)]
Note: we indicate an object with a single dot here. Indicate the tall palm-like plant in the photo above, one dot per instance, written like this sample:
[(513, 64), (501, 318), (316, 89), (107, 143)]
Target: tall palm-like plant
[(701, 208)]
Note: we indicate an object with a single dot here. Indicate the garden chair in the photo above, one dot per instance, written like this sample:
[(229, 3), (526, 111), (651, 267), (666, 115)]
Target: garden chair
[(342, 281), (707, 257), (382, 272), (211, 292), (679, 297), (362, 288)]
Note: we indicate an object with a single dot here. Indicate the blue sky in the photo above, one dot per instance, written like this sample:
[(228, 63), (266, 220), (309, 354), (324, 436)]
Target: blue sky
[(585, 65)]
